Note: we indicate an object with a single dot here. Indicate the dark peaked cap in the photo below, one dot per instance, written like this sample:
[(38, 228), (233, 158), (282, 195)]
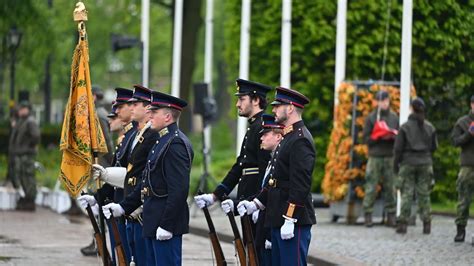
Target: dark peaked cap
[(160, 100), (123, 95), (140, 94), (289, 96), (269, 123), (246, 87)]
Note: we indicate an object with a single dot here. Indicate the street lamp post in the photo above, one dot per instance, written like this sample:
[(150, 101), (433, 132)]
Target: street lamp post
[(13, 41)]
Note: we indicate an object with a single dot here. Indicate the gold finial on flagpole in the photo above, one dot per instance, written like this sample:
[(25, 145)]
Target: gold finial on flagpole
[(80, 12), (80, 15)]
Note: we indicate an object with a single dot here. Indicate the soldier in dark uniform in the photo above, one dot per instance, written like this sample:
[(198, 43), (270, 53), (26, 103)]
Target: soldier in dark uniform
[(140, 147), (414, 146), (380, 163), (25, 139), (114, 191), (249, 168), (164, 187), (272, 135), (463, 137), (287, 197)]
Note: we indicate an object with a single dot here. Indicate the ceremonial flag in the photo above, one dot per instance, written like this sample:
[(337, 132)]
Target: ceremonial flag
[(81, 137)]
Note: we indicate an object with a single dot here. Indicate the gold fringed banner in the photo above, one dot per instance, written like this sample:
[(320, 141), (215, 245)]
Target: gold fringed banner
[(81, 134)]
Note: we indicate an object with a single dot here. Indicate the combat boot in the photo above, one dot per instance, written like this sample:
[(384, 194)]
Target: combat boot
[(461, 234), (20, 204), (29, 205), (391, 220), (368, 219), (89, 250), (427, 227), (401, 228)]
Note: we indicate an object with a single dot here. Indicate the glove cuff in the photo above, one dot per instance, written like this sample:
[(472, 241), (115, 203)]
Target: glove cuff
[(259, 204), (289, 219)]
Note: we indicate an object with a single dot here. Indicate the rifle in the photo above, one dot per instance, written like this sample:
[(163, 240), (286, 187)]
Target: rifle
[(216, 246), (104, 253), (239, 246), (251, 251), (121, 259)]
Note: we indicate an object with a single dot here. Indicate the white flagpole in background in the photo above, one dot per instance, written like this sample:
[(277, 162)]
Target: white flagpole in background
[(177, 39), (243, 64)]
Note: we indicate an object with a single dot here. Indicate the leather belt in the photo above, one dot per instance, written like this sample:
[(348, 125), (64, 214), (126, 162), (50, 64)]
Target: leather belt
[(250, 171)]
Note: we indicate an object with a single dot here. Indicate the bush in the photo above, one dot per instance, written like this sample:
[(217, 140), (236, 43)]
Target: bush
[(446, 167)]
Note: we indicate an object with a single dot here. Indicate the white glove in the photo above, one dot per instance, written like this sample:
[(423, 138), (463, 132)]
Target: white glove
[(268, 244), (113, 209), (162, 234), (204, 200), (114, 176), (98, 171), (227, 205), (85, 200), (246, 207), (255, 216), (287, 229)]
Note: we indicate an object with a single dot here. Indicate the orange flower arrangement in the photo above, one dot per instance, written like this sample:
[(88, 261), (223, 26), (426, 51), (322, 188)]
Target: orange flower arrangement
[(338, 174)]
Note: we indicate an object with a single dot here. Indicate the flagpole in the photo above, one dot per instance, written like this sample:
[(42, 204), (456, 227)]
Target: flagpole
[(80, 16)]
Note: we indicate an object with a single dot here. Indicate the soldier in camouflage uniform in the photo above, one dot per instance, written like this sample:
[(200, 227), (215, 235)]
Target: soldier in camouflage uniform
[(380, 163), (414, 146), (463, 137), (25, 139)]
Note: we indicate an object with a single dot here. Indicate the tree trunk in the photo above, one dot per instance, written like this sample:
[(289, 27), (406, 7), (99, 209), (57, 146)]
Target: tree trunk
[(47, 89), (192, 22)]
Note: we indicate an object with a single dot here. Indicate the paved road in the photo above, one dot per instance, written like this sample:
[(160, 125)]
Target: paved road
[(47, 238), (344, 244)]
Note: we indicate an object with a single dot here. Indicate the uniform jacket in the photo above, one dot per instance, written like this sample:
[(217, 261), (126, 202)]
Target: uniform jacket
[(137, 159), (415, 144), (120, 159), (25, 137), (165, 185), (462, 138), (380, 147), (251, 156), (291, 173)]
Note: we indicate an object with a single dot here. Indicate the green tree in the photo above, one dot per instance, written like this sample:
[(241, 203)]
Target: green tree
[(442, 57)]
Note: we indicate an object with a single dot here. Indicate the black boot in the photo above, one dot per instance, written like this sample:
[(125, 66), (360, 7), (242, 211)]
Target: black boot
[(74, 210), (427, 227), (90, 250), (391, 222), (20, 204), (461, 234), (401, 228), (368, 219)]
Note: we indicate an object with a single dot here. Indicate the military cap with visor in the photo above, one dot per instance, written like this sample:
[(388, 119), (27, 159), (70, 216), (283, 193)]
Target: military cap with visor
[(140, 94), (162, 100), (289, 96), (123, 95), (269, 124), (247, 87)]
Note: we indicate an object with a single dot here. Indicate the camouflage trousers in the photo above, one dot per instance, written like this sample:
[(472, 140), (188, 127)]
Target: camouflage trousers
[(465, 188), (416, 178), (379, 170), (24, 168)]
